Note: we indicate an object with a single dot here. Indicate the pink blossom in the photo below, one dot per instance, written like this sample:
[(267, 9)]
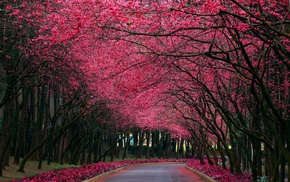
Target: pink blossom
[(8, 8)]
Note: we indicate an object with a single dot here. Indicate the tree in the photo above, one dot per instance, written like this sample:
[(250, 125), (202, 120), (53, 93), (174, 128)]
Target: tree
[(185, 67)]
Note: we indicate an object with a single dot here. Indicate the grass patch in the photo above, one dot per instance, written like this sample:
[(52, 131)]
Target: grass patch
[(30, 169), (10, 172)]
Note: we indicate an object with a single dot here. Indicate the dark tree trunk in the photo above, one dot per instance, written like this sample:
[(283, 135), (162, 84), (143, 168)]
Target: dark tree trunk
[(159, 144), (20, 139), (135, 142), (153, 144), (147, 144), (181, 149), (34, 149), (127, 144), (140, 145), (167, 146), (221, 152)]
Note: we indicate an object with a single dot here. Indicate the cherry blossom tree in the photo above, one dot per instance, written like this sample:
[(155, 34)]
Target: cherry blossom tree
[(187, 67)]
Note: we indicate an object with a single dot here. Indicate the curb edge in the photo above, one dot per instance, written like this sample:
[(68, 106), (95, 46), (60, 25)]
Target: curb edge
[(200, 174)]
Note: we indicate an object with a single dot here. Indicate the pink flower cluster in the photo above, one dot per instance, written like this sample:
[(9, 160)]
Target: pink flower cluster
[(86, 171), (218, 173)]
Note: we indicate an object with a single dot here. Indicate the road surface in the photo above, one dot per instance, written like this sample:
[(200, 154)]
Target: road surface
[(155, 172)]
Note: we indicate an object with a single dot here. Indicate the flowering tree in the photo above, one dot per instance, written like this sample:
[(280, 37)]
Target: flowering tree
[(188, 67), (243, 38)]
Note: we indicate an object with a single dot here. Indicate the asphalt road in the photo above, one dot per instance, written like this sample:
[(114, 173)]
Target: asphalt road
[(155, 172)]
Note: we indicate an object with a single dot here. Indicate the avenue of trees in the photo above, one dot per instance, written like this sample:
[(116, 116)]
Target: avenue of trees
[(85, 79)]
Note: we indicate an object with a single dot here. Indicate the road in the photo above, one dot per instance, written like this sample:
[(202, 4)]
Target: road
[(155, 172)]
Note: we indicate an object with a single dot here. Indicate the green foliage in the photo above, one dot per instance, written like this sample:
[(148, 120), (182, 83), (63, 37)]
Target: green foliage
[(263, 179)]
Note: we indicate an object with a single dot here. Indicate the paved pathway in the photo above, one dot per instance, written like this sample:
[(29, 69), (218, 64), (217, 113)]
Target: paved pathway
[(155, 173)]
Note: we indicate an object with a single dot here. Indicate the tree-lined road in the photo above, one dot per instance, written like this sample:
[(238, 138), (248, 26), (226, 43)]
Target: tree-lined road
[(155, 172)]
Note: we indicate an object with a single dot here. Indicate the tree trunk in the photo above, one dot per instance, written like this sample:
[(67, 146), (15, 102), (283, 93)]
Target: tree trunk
[(20, 139), (9, 122), (167, 146), (49, 149), (177, 149), (153, 144), (37, 147), (135, 142), (159, 142), (33, 118), (181, 149), (173, 148), (5, 136), (90, 150), (187, 150), (200, 155), (127, 144), (140, 145), (147, 144), (221, 152)]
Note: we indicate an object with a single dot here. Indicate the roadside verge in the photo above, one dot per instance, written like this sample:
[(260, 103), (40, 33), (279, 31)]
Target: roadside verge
[(203, 176)]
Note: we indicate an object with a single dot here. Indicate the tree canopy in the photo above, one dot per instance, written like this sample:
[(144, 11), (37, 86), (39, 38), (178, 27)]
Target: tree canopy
[(212, 71)]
